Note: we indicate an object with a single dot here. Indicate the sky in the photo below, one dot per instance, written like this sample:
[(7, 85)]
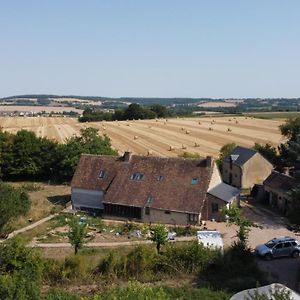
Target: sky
[(150, 48)]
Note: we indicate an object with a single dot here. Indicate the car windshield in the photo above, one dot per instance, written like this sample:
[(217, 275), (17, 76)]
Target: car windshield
[(270, 244)]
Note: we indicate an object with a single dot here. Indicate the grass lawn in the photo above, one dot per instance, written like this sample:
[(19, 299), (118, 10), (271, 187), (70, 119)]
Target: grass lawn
[(45, 200)]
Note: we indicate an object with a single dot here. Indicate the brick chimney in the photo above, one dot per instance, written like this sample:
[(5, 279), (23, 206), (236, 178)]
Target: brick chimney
[(127, 156), (209, 161)]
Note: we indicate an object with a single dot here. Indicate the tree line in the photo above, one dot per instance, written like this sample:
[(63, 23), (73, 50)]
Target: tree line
[(24, 156), (135, 112)]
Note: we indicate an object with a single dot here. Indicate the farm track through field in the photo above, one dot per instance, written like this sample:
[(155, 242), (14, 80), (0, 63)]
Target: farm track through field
[(157, 136)]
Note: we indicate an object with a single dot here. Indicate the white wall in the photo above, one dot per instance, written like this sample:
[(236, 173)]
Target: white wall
[(215, 177)]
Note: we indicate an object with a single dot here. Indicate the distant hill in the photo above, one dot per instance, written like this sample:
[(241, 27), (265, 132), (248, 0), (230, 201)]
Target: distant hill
[(223, 104)]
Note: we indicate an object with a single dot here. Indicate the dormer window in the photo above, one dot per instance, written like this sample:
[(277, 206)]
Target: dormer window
[(137, 176), (194, 181), (102, 173), (159, 178)]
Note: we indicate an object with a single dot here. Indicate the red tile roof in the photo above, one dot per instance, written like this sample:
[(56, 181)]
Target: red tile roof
[(174, 191)]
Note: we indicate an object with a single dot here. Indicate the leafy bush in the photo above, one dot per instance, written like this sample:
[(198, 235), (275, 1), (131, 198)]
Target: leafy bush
[(234, 271), (60, 294), (13, 203), (188, 258)]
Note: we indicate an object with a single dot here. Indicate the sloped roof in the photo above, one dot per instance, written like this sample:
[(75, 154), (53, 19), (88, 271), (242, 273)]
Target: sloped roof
[(174, 191), (239, 155), (282, 182), (224, 191)]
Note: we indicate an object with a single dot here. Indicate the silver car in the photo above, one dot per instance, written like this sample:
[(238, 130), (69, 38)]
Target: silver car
[(279, 247)]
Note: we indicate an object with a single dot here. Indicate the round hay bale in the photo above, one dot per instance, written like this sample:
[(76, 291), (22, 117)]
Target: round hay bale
[(199, 123), (229, 120), (183, 146), (182, 128), (171, 148), (210, 129), (135, 137), (229, 129), (187, 132), (149, 152), (196, 144)]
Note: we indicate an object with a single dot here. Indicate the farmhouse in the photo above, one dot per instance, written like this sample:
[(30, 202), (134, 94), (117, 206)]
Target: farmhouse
[(151, 189), (277, 187), (244, 167)]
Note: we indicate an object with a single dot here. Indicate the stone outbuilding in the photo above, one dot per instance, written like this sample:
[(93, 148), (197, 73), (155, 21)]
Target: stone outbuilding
[(245, 167), (277, 188)]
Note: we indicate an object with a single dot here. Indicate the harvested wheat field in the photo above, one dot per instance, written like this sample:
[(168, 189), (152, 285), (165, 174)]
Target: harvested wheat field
[(170, 137)]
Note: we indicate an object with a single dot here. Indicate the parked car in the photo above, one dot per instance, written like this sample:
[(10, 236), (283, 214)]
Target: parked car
[(279, 247)]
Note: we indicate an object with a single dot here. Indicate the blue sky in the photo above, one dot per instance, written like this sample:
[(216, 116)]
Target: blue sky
[(154, 48)]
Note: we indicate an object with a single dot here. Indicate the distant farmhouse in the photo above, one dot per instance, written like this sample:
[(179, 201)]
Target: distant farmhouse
[(244, 167), (278, 187), (151, 189)]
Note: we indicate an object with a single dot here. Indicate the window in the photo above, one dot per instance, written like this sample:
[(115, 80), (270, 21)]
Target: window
[(160, 178), (150, 199), (279, 246), (287, 245), (137, 176), (167, 212), (147, 210), (102, 174), (194, 180), (215, 207), (193, 218)]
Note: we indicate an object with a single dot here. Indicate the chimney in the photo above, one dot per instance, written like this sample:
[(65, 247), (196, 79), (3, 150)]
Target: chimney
[(209, 161), (127, 156)]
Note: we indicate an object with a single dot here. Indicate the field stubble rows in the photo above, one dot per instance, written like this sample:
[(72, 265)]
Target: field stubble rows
[(170, 137)]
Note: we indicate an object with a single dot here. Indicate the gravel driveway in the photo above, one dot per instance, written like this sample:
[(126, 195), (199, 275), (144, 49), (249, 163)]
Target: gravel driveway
[(284, 270)]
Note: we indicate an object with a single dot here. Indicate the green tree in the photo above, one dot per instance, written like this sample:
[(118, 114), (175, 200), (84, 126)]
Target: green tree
[(76, 234), (293, 212), (291, 128), (234, 216), (133, 111), (13, 203), (159, 110), (269, 152), (159, 235), (20, 272), (68, 154), (224, 151)]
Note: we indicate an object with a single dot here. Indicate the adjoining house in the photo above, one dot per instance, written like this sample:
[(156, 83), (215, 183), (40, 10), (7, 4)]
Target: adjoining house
[(244, 167), (151, 189), (277, 187)]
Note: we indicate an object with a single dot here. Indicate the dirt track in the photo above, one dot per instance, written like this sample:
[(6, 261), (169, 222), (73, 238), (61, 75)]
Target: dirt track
[(197, 135)]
